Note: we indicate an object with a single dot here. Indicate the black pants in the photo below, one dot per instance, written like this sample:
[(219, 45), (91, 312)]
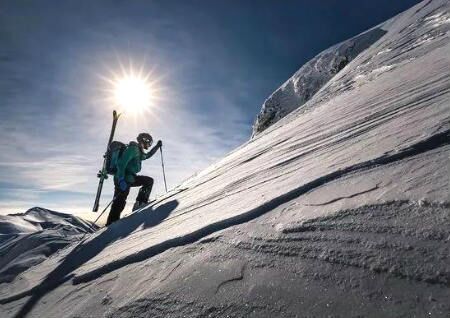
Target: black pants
[(120, 197)]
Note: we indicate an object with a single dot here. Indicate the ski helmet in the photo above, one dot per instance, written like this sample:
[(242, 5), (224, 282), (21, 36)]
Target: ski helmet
[(145, 138)]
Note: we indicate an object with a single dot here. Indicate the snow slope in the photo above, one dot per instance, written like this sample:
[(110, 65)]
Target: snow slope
[(341, 208), (27, 239)]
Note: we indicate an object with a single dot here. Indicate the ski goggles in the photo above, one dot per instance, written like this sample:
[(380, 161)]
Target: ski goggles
[(147, 141)]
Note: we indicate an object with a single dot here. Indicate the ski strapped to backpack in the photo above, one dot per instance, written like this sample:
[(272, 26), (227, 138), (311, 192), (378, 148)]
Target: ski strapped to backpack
[(103, 174)]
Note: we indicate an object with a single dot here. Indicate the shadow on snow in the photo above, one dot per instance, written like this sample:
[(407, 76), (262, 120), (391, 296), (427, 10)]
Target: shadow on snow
[(84, 252)]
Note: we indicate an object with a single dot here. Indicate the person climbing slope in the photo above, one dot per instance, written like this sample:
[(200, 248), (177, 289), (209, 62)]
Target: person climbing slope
[(128, 165)]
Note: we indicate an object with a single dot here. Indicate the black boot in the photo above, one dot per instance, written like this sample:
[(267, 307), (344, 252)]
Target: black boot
[(138, 204), (144, 192)]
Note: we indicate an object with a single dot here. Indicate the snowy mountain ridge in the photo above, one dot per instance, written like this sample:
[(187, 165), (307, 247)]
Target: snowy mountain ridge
[(38, 219), (341, 210), (326, 75), (27, 239), (311, 77)]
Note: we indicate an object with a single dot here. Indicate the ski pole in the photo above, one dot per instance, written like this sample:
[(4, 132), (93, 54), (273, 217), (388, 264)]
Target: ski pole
[(104, 210), (84, 235), (162, 163)]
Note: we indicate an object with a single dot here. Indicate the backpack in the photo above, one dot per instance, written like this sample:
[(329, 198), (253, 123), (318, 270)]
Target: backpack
[(115, 150)]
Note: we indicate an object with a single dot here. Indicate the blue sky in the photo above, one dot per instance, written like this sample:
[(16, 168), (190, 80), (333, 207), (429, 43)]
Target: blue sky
[(215, 61)]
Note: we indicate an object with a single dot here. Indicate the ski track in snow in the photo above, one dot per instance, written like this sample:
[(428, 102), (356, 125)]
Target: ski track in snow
[(339, 208)]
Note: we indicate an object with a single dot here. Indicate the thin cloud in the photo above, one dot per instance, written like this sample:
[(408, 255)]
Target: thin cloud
[(56, 122)]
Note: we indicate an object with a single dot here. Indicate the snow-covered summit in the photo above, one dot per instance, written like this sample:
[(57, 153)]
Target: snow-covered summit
[(341, 208), (311, 77)]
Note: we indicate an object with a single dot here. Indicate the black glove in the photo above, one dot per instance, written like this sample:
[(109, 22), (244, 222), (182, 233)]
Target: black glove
[(159, 144)]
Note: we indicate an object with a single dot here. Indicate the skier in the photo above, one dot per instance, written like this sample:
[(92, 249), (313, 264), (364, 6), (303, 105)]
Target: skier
[(128, 165)]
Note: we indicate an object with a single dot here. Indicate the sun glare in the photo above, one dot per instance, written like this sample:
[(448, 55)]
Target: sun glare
[(132, 90), (133, 93)]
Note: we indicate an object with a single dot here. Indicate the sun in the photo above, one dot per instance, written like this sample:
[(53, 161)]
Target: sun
[(133, 93), (132, 90)]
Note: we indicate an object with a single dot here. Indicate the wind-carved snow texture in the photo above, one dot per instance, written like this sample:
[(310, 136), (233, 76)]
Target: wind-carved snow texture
[(311, 77), (27, 239), (318, 255), (413, 250), (340, 208)]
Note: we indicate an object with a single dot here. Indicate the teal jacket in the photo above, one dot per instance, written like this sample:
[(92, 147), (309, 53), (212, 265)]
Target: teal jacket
[(129, 163)]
